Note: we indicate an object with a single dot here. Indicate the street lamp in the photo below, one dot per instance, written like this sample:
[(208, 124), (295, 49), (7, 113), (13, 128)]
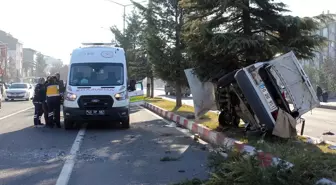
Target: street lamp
[(124, 16)]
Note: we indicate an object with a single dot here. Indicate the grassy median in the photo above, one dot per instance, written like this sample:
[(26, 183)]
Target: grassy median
[(209, 120), (314, 161), (137, 98)]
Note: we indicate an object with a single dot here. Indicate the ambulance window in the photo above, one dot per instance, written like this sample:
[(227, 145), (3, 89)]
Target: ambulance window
[(97, 74)]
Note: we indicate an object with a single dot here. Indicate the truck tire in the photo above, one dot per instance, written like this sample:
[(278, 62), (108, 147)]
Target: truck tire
[(225, 119), (68, 124), (125, 124)]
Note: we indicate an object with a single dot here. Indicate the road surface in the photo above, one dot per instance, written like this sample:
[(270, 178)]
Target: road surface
[(318, 121), (101, 154)]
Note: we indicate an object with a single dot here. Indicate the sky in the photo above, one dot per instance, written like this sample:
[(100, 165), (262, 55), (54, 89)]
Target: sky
[(56, 27)]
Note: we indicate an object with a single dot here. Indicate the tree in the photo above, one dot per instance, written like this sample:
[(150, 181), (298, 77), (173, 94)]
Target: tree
[(223, 35), (313, 74), (131, 41), (164, 43), (327, 74), (40, 65), (28, 66), (64, 72), (56, 67)]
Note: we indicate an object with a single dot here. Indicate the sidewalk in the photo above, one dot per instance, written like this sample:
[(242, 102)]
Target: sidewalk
[(329, 105)]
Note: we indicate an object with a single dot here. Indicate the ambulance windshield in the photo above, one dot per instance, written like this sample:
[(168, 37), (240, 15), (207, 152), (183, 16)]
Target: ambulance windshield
[(96, 74)]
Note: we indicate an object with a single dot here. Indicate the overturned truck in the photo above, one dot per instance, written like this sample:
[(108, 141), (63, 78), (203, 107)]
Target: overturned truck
[(258, 94)]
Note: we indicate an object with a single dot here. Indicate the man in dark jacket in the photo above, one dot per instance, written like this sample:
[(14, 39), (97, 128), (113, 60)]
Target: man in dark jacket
[(39, 98), (60, 83), (319, 93), (61, 87)]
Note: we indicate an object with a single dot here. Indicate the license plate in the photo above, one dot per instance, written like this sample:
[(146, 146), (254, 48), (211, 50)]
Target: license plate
[(268, 98), (95, 112)]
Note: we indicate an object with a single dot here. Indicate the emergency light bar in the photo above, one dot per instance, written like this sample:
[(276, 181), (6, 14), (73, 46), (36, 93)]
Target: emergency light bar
[(98, 44)]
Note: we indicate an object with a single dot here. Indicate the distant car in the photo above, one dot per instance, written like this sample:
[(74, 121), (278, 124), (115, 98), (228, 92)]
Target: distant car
[(19, 91), (170, 90)]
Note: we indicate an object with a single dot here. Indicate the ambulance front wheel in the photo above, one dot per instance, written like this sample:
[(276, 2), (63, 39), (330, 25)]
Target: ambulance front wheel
[(125, 123), (68, 124)]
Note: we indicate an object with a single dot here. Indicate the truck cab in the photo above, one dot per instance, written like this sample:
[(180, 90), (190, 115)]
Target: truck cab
[(97, 86)]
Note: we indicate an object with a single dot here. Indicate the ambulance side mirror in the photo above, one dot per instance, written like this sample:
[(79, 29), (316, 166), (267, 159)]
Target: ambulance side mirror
[(131, 86)]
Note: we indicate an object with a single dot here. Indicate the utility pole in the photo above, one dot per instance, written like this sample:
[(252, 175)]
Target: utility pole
[(124, 15)]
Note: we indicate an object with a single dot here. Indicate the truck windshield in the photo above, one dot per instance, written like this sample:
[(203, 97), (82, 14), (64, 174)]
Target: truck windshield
[(96, 74)]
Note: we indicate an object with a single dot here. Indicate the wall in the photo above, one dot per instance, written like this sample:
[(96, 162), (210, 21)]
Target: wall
[(18, 58)]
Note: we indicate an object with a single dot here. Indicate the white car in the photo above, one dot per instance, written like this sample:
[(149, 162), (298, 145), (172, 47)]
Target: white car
[(19, 91)]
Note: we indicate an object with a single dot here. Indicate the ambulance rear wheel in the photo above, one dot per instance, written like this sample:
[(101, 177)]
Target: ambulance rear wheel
[(68, 124)]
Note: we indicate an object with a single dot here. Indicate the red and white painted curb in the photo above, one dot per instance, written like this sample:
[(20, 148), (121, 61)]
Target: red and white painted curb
[(219, 139)]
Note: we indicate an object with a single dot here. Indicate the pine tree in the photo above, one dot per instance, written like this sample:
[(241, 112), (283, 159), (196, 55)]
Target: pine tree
[(132, 42), (164, 44), (40, 65), (223, 35)]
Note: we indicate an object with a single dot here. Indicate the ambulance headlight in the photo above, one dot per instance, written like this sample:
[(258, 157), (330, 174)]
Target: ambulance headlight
[(121, 96), (70, 96)]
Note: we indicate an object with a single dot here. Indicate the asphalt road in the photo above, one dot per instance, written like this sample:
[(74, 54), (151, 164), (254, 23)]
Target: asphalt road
[(318, 121), (96, 154)]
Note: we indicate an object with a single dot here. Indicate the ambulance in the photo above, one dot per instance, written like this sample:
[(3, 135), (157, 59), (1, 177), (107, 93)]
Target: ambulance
[(98, 86)]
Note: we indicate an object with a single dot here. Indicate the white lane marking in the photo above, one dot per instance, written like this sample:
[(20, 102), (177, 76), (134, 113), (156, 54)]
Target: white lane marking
[(63, 178), (18, 112)]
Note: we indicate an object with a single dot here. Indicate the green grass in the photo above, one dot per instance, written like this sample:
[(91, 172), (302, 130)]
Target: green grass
[(137, 98), (209, 120), (311, 161)]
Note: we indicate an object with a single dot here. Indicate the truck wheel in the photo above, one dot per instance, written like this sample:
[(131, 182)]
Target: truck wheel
[(125, 124), (68, 124), (225, 120), (222, 119)]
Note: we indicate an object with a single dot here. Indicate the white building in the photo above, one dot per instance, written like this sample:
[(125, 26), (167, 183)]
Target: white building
[(15, 57), (328, 31), (14, 53)]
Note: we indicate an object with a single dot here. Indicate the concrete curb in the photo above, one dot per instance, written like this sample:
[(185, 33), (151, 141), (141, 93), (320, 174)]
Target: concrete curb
[(219, 139), (327, 107)]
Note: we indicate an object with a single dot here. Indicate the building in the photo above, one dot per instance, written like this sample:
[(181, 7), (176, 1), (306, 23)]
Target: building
[(315, 68), (15, 55), (28, 62), (328, 31)]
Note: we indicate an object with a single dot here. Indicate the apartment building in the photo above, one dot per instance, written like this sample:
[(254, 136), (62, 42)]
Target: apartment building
[(14, 53), (328, 31)]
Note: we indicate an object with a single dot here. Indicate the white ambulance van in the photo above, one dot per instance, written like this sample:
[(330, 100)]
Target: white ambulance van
[(97, 86)]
